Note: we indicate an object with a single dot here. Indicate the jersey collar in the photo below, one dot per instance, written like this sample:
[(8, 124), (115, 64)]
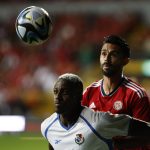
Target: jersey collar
[(115, 89)]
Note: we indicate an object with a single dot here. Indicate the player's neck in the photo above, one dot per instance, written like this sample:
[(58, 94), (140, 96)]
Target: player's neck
[(68, 119), (110, 83)]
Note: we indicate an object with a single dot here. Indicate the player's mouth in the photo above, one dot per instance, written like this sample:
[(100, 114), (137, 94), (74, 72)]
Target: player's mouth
[(57, 103), (106, 66)]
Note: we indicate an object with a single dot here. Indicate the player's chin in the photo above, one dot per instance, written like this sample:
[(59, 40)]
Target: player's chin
[(58, 110), (108, 72)]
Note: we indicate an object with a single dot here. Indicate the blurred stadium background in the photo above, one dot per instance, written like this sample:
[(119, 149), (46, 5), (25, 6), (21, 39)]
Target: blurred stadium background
[(27, 73)]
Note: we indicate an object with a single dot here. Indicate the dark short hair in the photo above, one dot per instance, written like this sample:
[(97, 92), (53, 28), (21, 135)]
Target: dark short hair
[(114, 39)]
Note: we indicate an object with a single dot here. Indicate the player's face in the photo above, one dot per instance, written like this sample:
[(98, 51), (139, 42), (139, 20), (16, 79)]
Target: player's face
[(63, 97), (111, 59)]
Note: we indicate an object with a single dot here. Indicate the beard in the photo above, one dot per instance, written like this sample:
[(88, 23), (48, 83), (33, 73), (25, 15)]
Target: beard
[(111, 70), (108, 73)]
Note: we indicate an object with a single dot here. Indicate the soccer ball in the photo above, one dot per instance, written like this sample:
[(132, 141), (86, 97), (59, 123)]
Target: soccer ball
[(33, 25)]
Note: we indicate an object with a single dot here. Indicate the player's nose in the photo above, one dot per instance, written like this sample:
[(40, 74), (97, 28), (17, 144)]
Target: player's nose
[(108, 58), (58, 96)]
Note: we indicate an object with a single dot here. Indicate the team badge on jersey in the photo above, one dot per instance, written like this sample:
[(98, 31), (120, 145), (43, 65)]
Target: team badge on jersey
[(118, 105), (79, 139)]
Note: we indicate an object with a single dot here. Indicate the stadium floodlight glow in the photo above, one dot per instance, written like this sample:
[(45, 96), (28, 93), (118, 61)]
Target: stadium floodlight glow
[(145, 66), (12, 123)]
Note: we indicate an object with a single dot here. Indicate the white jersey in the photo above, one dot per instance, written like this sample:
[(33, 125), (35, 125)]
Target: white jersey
[(92, 131)]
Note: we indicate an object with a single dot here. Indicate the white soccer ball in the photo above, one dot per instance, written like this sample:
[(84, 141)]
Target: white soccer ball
[(33, 25)]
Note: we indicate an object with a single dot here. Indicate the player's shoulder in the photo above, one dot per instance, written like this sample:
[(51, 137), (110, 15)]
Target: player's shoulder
[(134, 87), (87, 111), (46, 124), (48, 121), (91, 115), (108, 115), (103, 117), (94, 85), (114, 117)]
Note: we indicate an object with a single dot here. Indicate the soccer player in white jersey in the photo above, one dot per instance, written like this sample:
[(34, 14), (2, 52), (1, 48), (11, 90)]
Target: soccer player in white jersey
[(74, 127)]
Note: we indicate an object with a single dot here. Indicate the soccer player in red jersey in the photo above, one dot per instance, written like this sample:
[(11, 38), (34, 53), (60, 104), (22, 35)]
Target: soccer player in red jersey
[(115, 92)]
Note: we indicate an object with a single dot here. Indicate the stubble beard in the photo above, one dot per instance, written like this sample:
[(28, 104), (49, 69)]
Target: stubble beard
[(109, 73)]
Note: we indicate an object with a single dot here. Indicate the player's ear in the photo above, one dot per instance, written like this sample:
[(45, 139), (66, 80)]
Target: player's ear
[(126, 61)]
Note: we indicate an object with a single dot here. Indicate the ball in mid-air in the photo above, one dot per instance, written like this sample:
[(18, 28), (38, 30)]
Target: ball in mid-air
[(33, 25)]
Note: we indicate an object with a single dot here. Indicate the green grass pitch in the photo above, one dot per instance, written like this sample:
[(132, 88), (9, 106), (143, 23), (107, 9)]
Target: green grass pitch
[(23, 141)]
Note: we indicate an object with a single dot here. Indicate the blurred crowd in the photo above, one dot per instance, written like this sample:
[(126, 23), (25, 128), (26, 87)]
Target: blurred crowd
[(27, 73)]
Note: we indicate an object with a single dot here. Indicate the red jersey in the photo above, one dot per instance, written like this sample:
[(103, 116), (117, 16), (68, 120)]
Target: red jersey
[(128, 98)]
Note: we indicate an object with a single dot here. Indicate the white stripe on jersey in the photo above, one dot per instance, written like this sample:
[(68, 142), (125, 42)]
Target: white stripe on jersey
[(133, 90), (134, 87), (94, 84)]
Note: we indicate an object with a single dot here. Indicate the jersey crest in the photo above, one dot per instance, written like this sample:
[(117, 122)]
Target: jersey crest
[(79, 139), (118, 105)]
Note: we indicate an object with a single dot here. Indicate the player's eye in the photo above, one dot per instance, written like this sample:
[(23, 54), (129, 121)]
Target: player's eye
[(103, 53), (55, 91), (66, 93), (115, 54)]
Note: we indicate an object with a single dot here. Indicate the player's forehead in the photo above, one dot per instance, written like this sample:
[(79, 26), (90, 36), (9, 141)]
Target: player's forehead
[(110, 47), (62, 84)]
